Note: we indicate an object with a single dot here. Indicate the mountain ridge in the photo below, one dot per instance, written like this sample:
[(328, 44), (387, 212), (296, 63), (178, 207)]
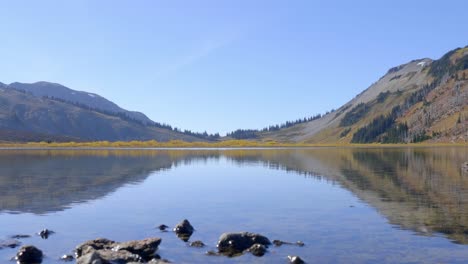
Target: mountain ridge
[(402, 97)]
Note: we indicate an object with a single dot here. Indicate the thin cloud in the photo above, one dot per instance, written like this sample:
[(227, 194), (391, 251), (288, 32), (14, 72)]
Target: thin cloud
[(185, 61)]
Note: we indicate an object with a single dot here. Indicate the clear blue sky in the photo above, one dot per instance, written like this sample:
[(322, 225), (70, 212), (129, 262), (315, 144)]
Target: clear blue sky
[(221, 65)]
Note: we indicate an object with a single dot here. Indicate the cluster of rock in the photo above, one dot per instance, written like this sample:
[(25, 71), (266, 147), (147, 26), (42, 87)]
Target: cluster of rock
[(105, 251)]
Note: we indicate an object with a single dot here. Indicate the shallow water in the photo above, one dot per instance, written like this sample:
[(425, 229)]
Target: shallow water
[(348, 205)]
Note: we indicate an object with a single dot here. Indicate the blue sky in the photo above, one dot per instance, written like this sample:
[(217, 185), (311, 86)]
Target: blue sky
[(222, 65)]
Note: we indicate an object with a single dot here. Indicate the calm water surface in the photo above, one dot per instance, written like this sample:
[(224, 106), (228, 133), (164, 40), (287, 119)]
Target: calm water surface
[(393, 205)]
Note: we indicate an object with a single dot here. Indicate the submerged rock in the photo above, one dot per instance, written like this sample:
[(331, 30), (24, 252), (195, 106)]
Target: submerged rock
[(295, 260), (197, 243), (236, 243), (163, 227), (67, 258), (29, 255), (184, 230), (212, 253), (280, 243), (300, 243), (19, 236), (159, 261), (9, 244), (105, 251)]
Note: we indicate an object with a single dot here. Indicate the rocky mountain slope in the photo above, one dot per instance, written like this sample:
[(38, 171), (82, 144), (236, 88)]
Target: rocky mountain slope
[(423, 100), (27, 115)]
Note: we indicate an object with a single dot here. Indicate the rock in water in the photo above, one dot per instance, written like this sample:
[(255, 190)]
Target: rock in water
[(67, 258), (184, 230), (20, 236), (106, 251), (300, 243), (280, 243), (197, 243), (257, 250), (159, 261), (184, 227), (45, 233), (29, 254), (144, 248), (9, 244), (93, 245), (295, 260), (120, 256), (90, 258), (236, 243), (162, 227)]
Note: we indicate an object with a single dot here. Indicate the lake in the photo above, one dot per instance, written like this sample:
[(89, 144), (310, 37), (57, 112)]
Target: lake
[(348, 205)]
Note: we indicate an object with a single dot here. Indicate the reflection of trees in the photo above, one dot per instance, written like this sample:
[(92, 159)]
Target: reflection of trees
[(421, 189)]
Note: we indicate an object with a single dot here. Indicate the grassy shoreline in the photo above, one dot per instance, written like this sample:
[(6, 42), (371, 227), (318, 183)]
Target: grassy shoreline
[(220, 144)]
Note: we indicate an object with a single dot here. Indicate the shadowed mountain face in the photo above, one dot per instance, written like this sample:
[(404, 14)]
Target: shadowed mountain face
[(39, 119), (420, 189), (90, 100)]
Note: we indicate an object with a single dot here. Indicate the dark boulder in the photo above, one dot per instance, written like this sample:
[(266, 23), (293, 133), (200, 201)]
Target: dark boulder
[(295, 260), (184, 230), (236, 243), (45, 233), (257, 250), (29, 255), (162, 227)]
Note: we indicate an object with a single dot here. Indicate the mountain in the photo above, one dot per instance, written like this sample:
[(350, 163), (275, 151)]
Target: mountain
[(91, 100), (52, 113), (423, 100)]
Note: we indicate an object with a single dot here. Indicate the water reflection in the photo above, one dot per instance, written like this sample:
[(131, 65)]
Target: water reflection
[(420, 189)]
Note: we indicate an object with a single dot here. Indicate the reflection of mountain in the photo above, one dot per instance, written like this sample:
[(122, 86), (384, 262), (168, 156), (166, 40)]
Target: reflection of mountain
[(42, 181), (421, 189)]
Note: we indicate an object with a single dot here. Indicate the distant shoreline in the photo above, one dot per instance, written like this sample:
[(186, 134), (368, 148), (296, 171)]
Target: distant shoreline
[(177, 144)]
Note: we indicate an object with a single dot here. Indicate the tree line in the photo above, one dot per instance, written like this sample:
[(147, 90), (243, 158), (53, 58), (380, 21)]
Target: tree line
[(254, 133)]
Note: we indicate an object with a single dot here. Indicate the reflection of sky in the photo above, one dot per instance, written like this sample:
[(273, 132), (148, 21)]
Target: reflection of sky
[(219, 195)]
